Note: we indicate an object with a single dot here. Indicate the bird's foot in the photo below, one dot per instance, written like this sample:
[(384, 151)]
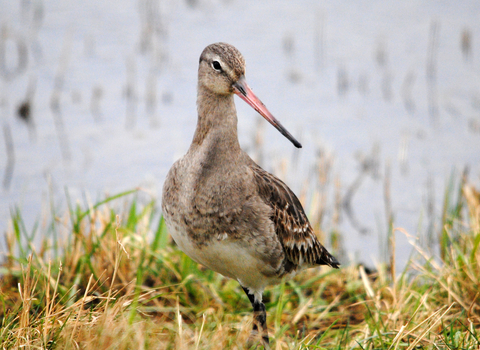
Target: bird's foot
[(256, 340)]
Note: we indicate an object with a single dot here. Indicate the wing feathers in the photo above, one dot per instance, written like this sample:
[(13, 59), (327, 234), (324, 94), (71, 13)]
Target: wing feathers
[(300, 244)]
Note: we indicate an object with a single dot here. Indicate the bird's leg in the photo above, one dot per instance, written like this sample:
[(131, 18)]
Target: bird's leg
[(259, 319)]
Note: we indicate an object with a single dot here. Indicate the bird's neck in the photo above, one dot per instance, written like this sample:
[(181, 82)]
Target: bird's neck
[(217, 122)]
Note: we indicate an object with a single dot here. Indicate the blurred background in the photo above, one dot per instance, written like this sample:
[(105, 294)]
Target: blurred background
[(98, 97)]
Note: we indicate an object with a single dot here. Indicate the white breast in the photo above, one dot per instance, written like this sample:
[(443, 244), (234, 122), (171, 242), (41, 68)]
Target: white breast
[(228, 257)]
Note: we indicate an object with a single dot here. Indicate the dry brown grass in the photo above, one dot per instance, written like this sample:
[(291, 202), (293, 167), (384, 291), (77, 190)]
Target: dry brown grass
[(124, 285)]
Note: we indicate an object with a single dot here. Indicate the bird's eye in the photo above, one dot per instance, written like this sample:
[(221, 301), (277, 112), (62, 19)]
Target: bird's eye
[(216, 65)]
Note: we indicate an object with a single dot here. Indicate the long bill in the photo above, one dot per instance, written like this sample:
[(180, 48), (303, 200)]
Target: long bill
[(242, 89)]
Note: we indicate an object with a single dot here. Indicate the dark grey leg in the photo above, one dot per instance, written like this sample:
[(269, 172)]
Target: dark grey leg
[(259, 318)]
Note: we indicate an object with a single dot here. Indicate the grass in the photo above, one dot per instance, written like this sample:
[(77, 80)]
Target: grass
[(107, 276)]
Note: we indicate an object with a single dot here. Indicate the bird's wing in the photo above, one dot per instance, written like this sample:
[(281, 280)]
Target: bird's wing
[(300, 243)]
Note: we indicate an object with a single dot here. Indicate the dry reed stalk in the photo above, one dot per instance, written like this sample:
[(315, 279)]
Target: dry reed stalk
[(26, 295), (80, 309), (116, 264)]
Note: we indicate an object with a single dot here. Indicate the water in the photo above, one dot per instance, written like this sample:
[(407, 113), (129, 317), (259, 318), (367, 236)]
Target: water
[(393, 87)]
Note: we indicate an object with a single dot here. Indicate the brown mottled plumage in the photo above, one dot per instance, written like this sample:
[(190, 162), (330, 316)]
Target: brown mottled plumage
[(221, 208), (300, 244)]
